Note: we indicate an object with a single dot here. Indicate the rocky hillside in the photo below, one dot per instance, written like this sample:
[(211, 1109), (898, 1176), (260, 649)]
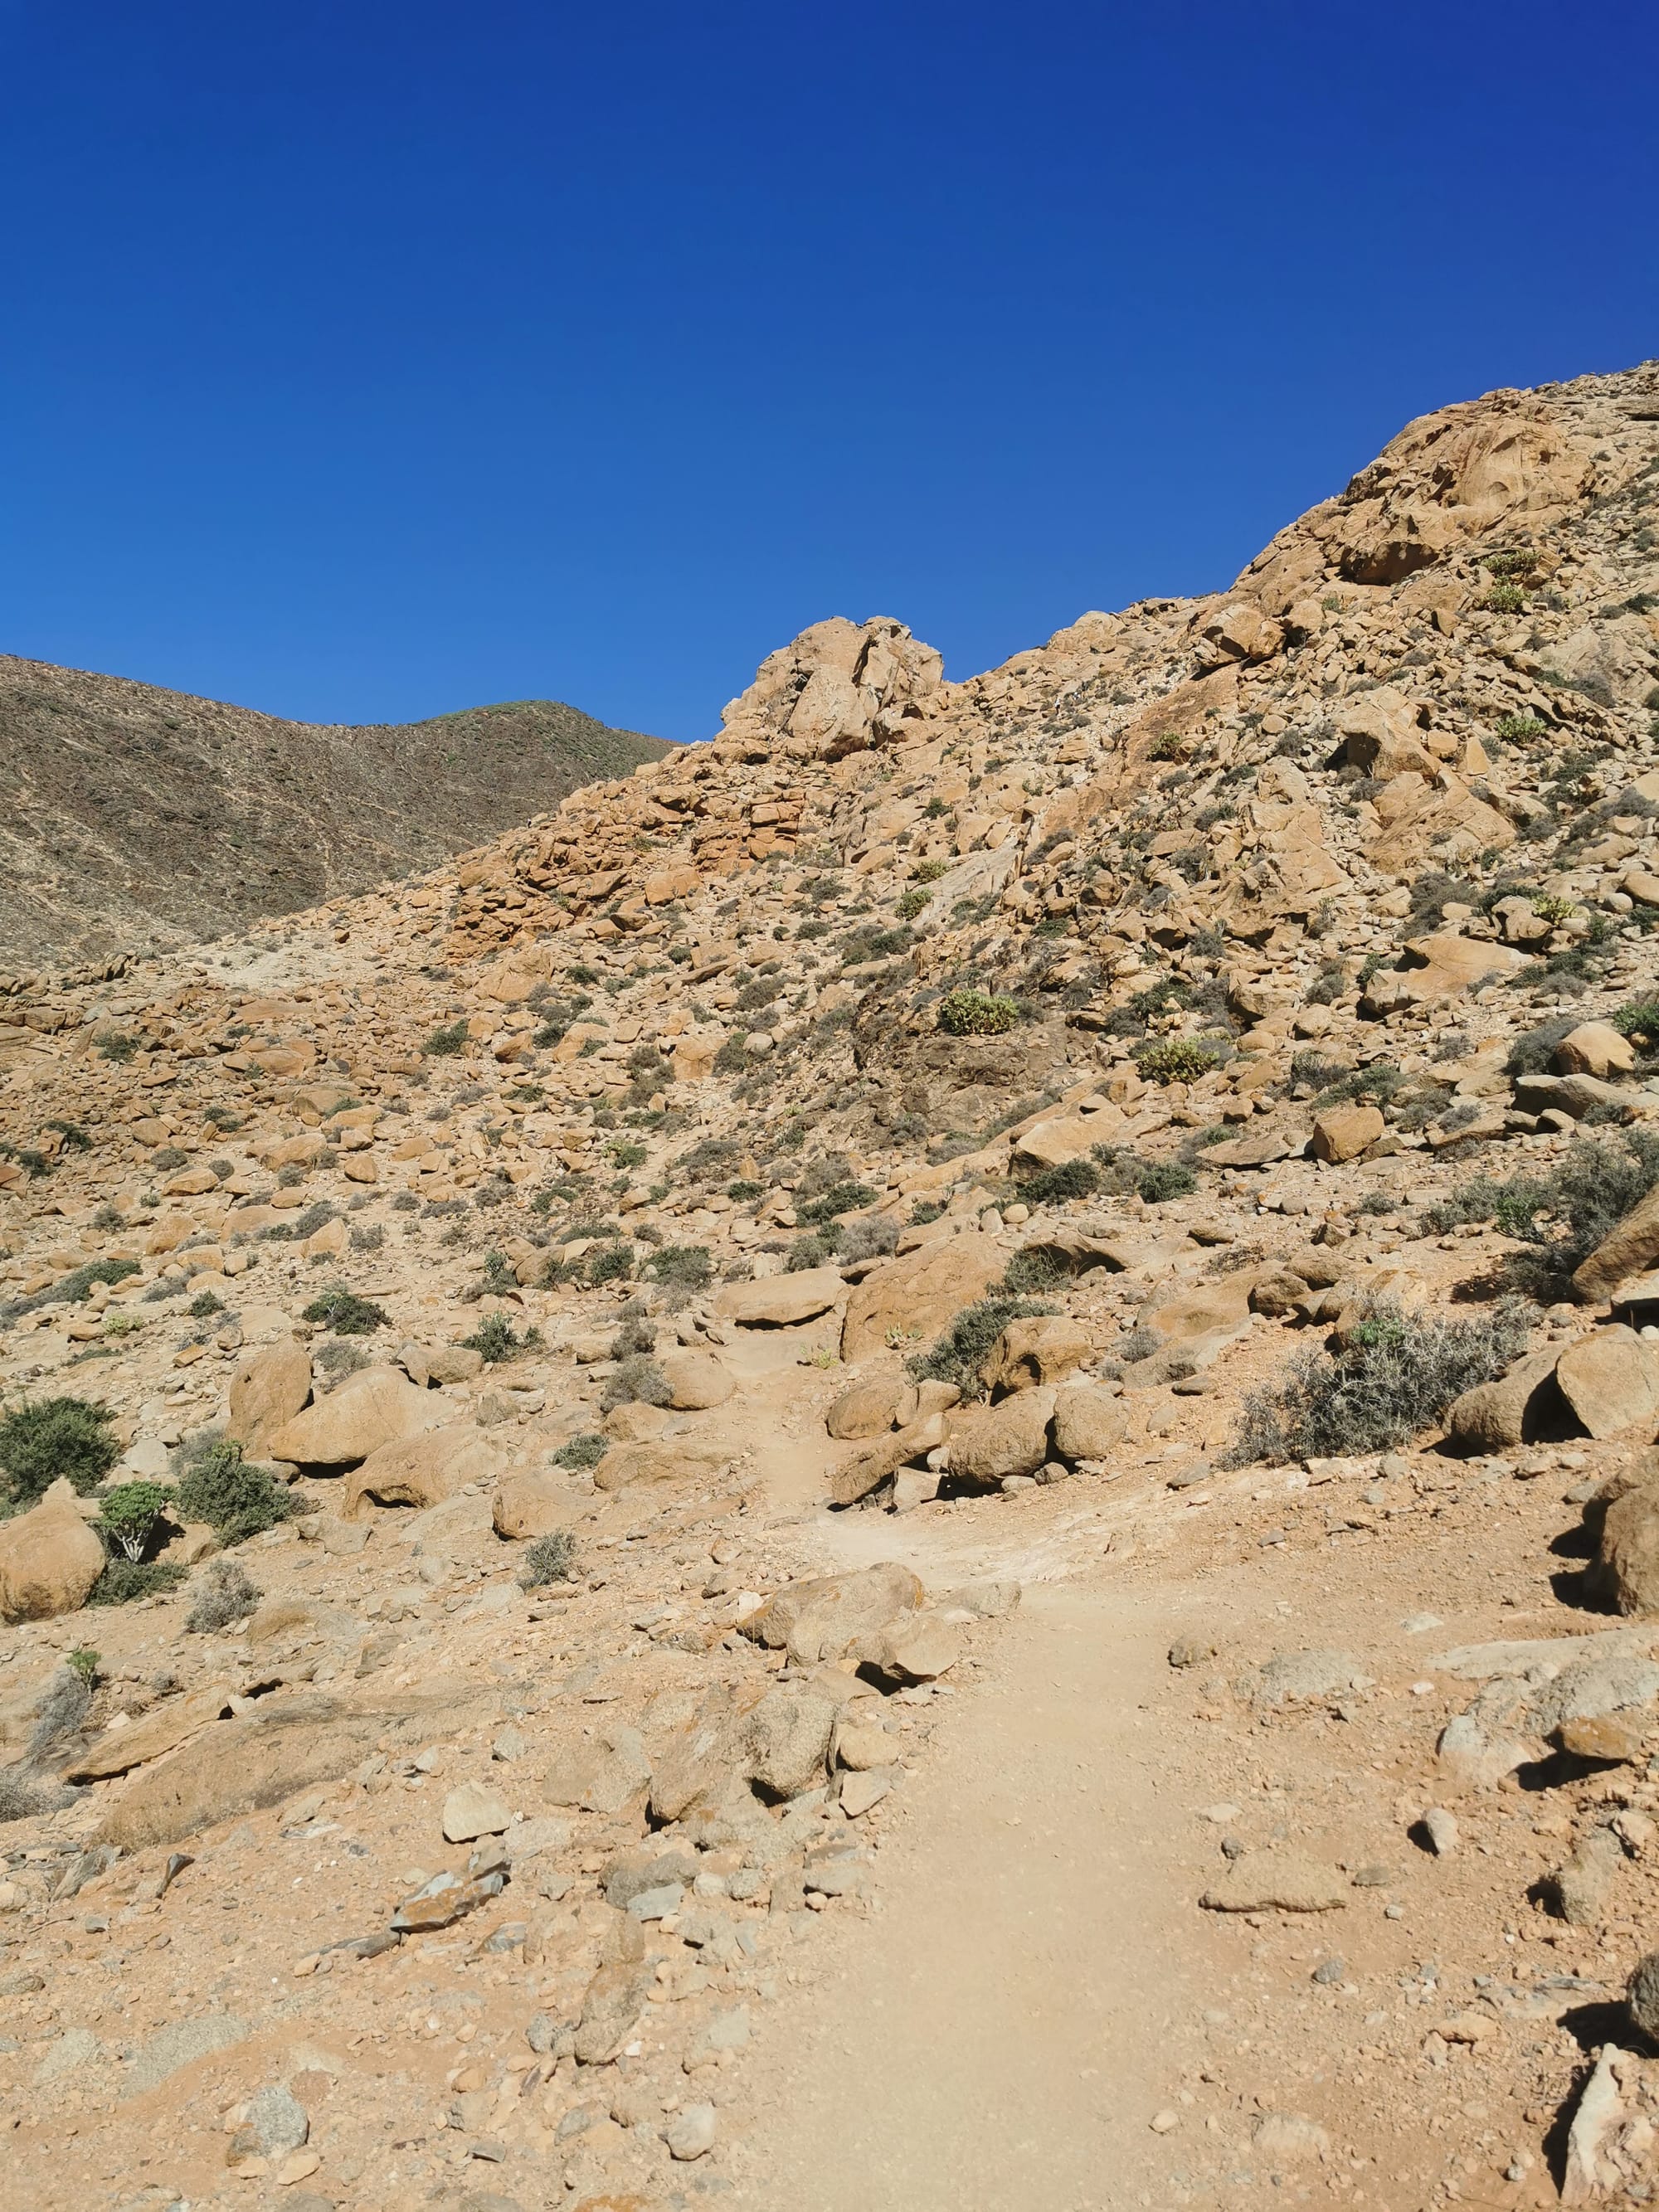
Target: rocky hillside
[(610, 1324), (132, 818)]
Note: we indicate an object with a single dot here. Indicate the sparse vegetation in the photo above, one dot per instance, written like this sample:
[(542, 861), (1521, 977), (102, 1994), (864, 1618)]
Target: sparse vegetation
[(236, 1497), (124, 1581), (582, 1452), (976, 1013), (446, 1042), (1179, 1060), (1395, 1377), (49, 1437), (225, 1594), (128, 1514), (961, 1352), (1565, 1212), (550, 1559), (346, 1314), (495, 1341)]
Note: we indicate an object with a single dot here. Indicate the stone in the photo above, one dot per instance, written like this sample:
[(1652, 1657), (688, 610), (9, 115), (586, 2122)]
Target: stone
[(76, 2050), (421, 1471), (472, 1810), (603, 1774), (1615, 1737), (1040, 1350), (611, 2006), (268, 1387), (446, 1898), (698, 1762), (860, 1792), (861, 1744), (690, 2134), (277, 2121), (1627, 1558), (697, 1381), (781, 1301), (50, 1558), (917, 1647), (820, 1620), (380, 1406), (920, 1294), (1519, 1408), (1594, 1048), (1441, 1829), (184, 2044), (1469, 1759), (1292, 1675), (1010, 1438), (785, 1738), (1588, 2170), (659, 1460), (1288, 2139), (533, 1502), (1343, 1133), (1629, 1249), (174, 1722), (1089, 1422), (1580, 1885), (1642, 1995), (869, 1408), (1276, 1292), (1611, 1380), (1277, 1878), (863, 1472)]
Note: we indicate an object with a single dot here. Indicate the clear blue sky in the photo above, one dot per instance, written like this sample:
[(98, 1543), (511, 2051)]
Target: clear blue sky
[(360, 362)]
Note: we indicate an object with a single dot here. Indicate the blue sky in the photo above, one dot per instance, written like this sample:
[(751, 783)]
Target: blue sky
[(360, 362)]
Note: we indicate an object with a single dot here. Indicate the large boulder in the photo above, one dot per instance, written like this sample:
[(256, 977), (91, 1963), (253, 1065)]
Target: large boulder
[(1629, 1249), (1628, 1560), (863, 1472), (1012, 1438), (1089, 1422), (822, 1619), (785, 1738), (781, 1301), (49, 1558), (697, 1381), (1519, 1408), (868, 1409), (533, 1502), (1040, 1350), (1343, 1133), (268, 1389), (920, 1294), (1594, 1048), (380, 1406), (656, 1460), (1611, 1380), (424, 1471)]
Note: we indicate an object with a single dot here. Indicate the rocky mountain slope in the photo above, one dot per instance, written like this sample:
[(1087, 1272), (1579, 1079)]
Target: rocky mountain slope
[(616, 1321), (132, 816)]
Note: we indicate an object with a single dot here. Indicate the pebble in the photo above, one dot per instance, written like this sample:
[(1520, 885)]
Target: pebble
[(1441, 1828), (690, 2134)]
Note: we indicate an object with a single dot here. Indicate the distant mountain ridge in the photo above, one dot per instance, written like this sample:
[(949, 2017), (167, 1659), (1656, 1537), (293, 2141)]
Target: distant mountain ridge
[(131, 816)]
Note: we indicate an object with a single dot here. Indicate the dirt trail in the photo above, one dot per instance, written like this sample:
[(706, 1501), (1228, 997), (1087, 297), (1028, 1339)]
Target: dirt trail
[(998, 2032)]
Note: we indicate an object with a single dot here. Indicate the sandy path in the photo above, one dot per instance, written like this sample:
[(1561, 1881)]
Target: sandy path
[(997, 2031)]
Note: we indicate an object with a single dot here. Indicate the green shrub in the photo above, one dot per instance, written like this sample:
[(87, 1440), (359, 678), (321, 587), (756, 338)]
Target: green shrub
[(911, 903), (118, 1047), (1124, 1172), (638, 1380), (1396, 1376), (226, 1594), (550, 1559), (128, 1514), (1033, 1268), (1566, 1212), (841, 1198), (1640, 1018), (961, 1352), (582, 1452), (625, 1154), (976, 1013), (495, 1341), (1519, 729), (346, 1314), (1533, 1052), (1504, 599), (1178, 1060), (1069, 1179), (608, 1262), (64, 1704), (236, 1497), (124, 1581), (684, 1270), (444, 1043), (51, 1437)]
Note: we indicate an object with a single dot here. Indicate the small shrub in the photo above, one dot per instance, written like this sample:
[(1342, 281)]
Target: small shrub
[(85, 1661), (1070, 1179), (225, 1594), (609, 1262), (926, 1210), (638, 1380), (236, 1497), (929, 871), (1178, 1060), (625, 1153), (1566, 1212), (22, 1797), (550, 1559), (495, 1341), (118, 1047), (911, 903), (1396, 1376), (204, 1305), (128, 1514), (1165, 1179), (1032, 1269), (582, 1452), (346, 1314), (367, 1236), (961, 1351), (816, 1249), (338, 1358), (840, 1198), (976, 1013), (683, 1270), (444, 1043), (55, 1436), (124, 1581), (63, 1707), (1503, 600), (1638, 1020), (1519, 729), (869, 1237), (1550, 907)]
